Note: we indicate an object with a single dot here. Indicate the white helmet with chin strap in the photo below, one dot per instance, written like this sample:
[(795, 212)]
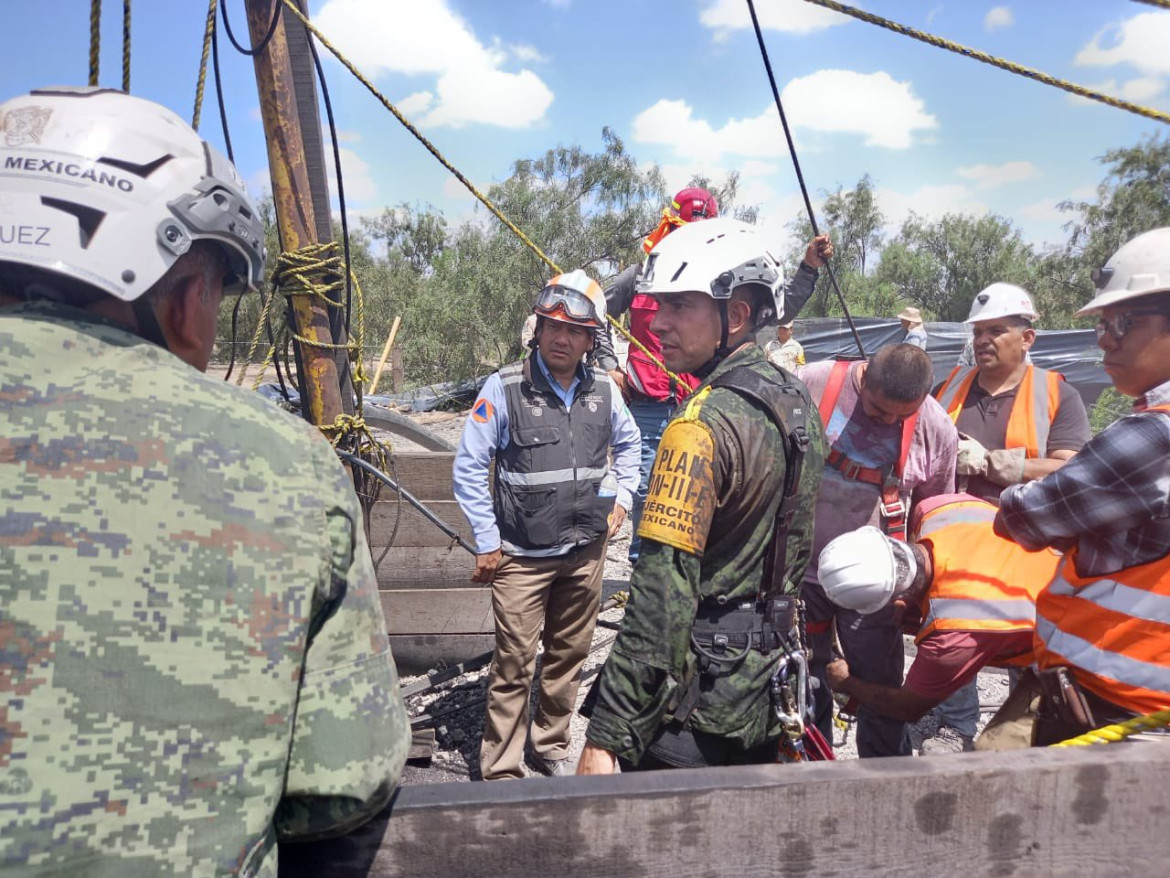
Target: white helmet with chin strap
[(1140, 268), (717, 257), (863, 569), (1002, 300), (109, 190)]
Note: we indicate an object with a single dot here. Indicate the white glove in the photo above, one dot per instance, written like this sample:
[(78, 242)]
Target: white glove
[(972, 457), (1006, 466)]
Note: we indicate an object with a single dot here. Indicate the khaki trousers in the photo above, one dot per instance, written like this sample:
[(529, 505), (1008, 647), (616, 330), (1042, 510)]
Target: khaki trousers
[(561, 595)]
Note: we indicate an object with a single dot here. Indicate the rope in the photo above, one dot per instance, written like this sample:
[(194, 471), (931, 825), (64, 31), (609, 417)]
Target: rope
[(95, 40), (126, 46), (1162, 4), (1119, 731), (483, 199), (1010, 66), (208, 31), (812, 217)]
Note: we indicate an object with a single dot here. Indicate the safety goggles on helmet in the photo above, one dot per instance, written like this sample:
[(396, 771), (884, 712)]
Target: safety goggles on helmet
[(573, 297)]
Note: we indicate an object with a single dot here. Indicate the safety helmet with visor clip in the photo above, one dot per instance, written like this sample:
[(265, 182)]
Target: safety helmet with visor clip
[(573, 298), (863, 570), (1141, 267), (1001, 300), (716, 257), (118, 188)]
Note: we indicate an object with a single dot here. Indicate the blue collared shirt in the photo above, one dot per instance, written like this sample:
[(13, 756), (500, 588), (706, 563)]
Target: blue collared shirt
[(486, 431)]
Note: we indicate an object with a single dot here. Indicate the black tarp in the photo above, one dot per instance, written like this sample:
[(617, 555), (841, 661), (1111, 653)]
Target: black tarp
[(1072, 352)]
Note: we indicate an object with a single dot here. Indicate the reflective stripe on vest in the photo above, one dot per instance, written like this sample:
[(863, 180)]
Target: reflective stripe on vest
[(981, 582), (1034, 408), (1113, 631)]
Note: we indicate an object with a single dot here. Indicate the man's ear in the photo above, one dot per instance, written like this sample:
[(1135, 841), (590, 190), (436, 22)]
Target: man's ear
[(179, 315), (739, 316)]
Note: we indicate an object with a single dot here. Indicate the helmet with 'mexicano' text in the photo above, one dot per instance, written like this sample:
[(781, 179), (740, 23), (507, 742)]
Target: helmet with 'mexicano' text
[(109, 190)]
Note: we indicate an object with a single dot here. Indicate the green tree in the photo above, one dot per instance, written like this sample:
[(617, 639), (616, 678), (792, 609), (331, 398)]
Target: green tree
[(941, 265)]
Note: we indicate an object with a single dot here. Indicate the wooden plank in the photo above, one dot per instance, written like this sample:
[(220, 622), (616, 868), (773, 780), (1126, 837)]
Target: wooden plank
[(422, 744), (426, 474), (415, 529), (1077, 811), (438, 611), (410, 563)]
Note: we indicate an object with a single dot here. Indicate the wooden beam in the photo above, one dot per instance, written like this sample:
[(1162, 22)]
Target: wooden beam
[(415, 563), (438, 611), (414, 529), (426, 474), (1078, 811)]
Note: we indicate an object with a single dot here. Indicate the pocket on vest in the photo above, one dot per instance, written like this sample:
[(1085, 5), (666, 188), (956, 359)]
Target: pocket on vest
[(530, 515)]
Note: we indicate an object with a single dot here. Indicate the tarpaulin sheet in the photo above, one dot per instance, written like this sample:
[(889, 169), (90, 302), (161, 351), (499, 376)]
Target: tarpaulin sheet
[(1072, 352)]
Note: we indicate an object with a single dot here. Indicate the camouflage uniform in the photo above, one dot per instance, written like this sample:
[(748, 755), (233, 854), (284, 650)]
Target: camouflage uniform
[(192, 650), (652, 659)]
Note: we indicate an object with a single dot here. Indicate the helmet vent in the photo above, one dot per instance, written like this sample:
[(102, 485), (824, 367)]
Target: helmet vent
[(682, 267), (143, 171), (88, 219)]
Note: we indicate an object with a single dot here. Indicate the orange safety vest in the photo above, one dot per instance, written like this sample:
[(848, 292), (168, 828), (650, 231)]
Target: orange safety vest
[(1113, 631), (1033, 410), (982, 582), (889, 479)]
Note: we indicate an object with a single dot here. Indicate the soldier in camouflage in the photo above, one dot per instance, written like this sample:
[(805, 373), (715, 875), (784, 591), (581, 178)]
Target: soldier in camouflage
[(708, 526), (192, 651)]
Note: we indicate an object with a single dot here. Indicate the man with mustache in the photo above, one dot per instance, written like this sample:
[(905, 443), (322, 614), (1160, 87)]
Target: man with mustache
[(1017, 422), (549, 422)]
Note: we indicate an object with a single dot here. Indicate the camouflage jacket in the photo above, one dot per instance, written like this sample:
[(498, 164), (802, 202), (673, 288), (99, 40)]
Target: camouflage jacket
[(652, 659), (192, 651)]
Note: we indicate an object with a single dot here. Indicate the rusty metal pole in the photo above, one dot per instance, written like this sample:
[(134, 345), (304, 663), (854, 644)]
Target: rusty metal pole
[(292, 195)]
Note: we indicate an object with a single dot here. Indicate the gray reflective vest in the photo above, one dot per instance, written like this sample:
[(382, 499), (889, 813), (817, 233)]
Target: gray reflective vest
[(549, 476)]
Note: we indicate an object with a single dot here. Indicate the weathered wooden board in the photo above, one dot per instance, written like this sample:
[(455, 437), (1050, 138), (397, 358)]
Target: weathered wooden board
[(415, 529), (1079, 811), (426, 474), (438, 611), (412, 563)]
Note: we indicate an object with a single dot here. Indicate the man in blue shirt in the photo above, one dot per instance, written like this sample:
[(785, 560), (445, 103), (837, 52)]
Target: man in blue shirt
[(540, 535)]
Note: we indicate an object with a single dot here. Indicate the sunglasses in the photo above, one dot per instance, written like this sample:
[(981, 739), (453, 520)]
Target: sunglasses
[(1121, 324)]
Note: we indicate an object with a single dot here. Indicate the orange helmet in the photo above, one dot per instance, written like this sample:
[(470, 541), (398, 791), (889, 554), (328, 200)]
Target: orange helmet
[(572, 297)]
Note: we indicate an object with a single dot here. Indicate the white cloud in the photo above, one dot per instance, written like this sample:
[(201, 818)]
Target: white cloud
[(929, 202), (1044, 210), (997, 18), (886, 112), (527, 54), (360, 187), (348, 135), (429, 39), (417, 103), (1140, 41), (1140, 90), (990, 176), (456, 191), (786, 16), (873, 105)]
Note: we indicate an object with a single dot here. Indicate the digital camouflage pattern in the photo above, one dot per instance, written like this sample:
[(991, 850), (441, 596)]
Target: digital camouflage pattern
[(652, 659), (193, 656)]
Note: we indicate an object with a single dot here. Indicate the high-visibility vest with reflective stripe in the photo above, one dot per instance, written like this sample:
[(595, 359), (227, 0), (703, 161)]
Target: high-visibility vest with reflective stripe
[(1033, 410), (1113, 631), (982, 582)]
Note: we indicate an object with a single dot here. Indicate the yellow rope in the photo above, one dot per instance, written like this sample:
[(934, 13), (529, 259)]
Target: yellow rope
[(95, 40), (483, 199), (1119, 731), (260, 324), (202, 80), (126, 46), (1010, 66)]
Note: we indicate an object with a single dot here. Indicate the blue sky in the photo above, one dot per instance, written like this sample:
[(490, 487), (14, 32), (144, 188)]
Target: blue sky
[(681, 81)]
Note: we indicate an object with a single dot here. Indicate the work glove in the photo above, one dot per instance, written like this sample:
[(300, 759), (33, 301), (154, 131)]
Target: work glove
[(1005, 466), (972, 457)]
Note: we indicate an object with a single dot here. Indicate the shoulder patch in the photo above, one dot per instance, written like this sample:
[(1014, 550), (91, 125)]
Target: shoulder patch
[(482, 411), (680, 502)]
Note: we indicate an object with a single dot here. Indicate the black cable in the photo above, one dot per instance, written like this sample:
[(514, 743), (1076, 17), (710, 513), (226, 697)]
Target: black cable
[(232, 342), (223, 122), (408, 497), (267, 37), (799, 175)]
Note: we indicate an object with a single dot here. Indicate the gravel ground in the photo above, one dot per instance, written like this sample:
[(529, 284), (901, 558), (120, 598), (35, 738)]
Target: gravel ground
[(458, 706)]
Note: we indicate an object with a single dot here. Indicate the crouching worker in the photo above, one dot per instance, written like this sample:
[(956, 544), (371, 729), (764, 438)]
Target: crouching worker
[(549, 422), (969, 594), (727, 528), (191, 639)]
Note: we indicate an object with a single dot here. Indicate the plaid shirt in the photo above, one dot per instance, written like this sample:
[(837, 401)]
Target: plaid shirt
[(1112, 500)]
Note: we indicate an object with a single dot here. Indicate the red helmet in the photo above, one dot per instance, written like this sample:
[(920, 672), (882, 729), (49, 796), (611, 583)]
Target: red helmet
[(694, 203)]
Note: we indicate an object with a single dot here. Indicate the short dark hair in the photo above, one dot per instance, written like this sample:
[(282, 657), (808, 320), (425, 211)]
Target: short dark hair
[(760, 299), (902, 372)]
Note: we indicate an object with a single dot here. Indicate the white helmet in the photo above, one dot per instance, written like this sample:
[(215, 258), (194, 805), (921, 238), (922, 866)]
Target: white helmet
[(1141, 267), (716, 257), (1002, 300), (864, 569), (111, 190)]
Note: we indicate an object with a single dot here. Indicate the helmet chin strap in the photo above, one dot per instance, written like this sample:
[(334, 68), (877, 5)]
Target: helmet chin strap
[(723, 351), (148, 325)]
